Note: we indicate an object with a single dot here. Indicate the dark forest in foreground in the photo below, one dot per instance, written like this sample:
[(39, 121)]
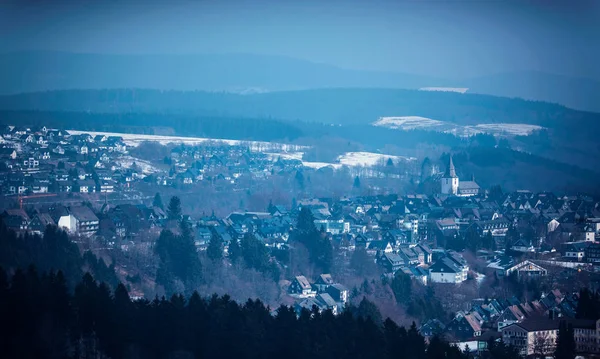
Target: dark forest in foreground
[(42, 319)]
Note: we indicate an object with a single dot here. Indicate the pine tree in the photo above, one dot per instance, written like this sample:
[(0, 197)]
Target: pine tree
[(356, 182), (402, 287), (214, 251), (174, 210), (157, 202), (234, 252), (565, 342)]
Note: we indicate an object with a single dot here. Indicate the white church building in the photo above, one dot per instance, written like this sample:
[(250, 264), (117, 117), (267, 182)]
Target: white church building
[(451, 184)]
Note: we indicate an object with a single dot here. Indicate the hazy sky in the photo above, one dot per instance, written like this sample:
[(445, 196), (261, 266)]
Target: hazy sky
[(444, 38)]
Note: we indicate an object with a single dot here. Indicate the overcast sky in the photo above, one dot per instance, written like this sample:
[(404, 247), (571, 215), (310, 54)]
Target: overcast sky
[(444, 38)]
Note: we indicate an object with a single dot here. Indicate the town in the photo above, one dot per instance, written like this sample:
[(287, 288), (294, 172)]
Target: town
[(510, 265)]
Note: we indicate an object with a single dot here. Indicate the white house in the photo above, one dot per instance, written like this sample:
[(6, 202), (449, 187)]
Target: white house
[(446, 270)]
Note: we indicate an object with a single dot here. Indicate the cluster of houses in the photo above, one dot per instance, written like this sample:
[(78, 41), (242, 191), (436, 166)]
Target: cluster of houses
[(521, 324), (41, 160), (323, 294)]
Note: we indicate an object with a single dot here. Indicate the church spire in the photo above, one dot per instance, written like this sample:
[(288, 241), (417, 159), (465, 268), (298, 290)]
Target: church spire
[(450, 170)]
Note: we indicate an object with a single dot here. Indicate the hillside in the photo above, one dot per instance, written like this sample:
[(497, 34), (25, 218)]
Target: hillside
[(336, 106), (246, 73)]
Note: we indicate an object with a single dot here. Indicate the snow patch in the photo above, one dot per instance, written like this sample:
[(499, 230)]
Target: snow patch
[(409, 123), (128, 161), (423, 123), (445, 89), (368, 159), (133, 140)]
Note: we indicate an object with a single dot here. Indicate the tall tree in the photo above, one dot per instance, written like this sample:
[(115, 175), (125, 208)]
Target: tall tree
[(356, 183), (214, 251), (565, 342), (234, 252), (157, 202), (174, 209), (402, 287)]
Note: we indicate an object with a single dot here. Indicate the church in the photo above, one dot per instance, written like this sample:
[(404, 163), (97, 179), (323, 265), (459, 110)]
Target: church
[(451, 184)]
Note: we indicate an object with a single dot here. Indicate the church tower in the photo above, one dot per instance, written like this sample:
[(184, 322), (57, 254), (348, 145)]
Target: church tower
[(450, 180)]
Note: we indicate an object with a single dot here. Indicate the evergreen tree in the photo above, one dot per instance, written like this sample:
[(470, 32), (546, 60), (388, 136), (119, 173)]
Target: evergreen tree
[(234, 251), (157, 202), (402, 287), (356, 182), (214, 251), (565, 342), (174, 209)]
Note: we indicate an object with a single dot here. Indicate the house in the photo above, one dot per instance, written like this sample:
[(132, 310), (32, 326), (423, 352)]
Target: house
[(81, 220), (326, 302), (537, 336), (16, 219), (87, 186), (391, 262), (527, 269), (301, 287), (575, 250), (464, 326), (40, 221), (431, 328), (323, 282), (447, 271), (377, 247), (338, 292), (8, 153)]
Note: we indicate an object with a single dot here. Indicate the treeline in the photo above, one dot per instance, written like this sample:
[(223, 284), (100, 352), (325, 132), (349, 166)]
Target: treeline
[(42, 319), (239, 128), (334, 105), (52, 251)]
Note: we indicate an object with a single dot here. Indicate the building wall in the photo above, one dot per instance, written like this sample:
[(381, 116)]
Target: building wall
[(445, 277)]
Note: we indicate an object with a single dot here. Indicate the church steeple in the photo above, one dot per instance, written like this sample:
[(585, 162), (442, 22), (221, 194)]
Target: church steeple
[(450, 170)]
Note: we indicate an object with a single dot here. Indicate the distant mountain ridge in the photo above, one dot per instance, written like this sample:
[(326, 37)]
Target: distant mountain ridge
[(245, 73)]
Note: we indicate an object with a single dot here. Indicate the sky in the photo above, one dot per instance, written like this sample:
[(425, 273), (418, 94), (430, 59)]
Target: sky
[(442, 38)]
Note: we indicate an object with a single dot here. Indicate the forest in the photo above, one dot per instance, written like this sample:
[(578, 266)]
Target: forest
[(336, 105), (42, 318)]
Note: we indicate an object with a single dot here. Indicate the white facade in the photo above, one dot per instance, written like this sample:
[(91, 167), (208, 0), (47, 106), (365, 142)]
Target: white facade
[(68, 222), (450, 185)]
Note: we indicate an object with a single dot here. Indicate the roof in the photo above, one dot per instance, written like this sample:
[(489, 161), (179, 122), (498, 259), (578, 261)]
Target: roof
[(326, 299), (324, 279), (303, 282), (468, 185), (445, 265), (83, 214)]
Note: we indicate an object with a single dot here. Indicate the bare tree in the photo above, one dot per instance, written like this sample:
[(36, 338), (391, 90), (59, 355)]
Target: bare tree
[(542, 345)]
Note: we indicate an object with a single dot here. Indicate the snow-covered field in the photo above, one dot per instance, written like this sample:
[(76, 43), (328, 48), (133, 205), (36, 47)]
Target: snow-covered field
[(445, 89), (424, 123), (411, 123), (134, 140), (508, 129), (128, 161), (367, 159)]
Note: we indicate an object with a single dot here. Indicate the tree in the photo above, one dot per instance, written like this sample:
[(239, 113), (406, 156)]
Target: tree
[(368, 310), (362, 263), (60, 165), (157, 202), (565, 342), (214, 251), (541, 346), (234, 251), (254, 253), (356, 182), (174, 210), (390, 163), (402, 287)]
